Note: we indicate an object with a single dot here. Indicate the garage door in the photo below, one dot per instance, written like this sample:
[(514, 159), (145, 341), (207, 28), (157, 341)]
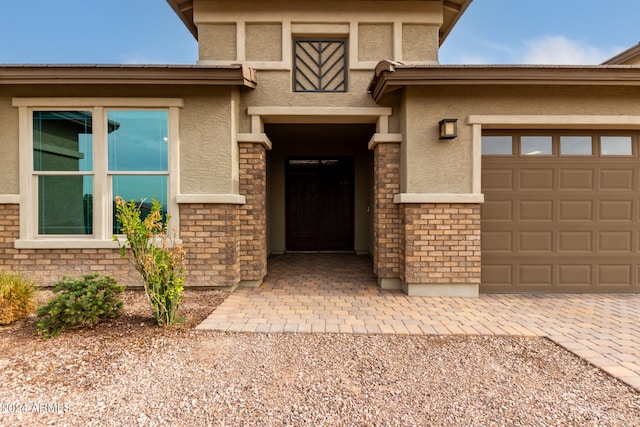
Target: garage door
[(561, 212)]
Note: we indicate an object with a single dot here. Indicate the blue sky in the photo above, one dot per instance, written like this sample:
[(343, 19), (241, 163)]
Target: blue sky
[(148, 31)]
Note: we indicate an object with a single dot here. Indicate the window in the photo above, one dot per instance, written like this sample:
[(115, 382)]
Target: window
[(536, 146), (497, 145), (77, 160), (576, 145), (320, 66), (616, 146)]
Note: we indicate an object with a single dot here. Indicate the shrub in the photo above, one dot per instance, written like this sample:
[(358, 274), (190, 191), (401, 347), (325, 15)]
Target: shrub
[(156, 256), (80, 303), (16, 298)]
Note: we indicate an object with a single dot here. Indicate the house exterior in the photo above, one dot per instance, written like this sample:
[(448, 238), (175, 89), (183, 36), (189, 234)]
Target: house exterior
[(314, 126)]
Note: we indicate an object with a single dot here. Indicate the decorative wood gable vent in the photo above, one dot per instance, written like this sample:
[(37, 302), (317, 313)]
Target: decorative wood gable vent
[(320, 66)]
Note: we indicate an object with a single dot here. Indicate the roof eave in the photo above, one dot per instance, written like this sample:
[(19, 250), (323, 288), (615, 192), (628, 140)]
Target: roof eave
[(127, 75), (184, 9), (392, 76)]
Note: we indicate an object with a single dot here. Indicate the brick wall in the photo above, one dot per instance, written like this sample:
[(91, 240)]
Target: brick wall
[(47, 266), (442, 243), (387, 232), (210, 235), (253, 214)]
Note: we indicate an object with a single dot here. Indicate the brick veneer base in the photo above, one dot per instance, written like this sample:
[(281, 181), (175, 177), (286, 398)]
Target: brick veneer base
[(210, 234), (441, 249), (47, 266)]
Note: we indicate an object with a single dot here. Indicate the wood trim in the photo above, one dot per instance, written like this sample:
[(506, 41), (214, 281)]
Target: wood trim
[(232, 75), (548, 121), (390, 76)]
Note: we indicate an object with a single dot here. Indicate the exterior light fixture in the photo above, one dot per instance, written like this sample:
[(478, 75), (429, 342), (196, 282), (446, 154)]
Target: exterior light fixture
[(448, 128)]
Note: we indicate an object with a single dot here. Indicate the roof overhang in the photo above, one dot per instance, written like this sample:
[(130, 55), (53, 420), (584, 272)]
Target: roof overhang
[(625, 57), (390, 76), (453, 10), (234, 75)]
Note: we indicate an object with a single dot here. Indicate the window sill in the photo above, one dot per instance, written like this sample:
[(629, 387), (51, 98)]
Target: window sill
[(68, 243)]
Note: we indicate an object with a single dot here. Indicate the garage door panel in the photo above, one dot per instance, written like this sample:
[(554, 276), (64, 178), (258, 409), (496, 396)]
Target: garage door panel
[(535, 210), (535, 275), (614, 275), (614, 241), (572, 275), (497, 241), (575, 179), (536, 179), (575, 241), (498, 210), (575, 210), (497, 179), (616, 179), (498, 275), (535, 241), (615, 210)]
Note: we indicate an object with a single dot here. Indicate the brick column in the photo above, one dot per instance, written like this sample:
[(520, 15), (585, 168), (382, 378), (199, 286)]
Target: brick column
[(387, 232), (210, 236), (442, 249), (253, 214)]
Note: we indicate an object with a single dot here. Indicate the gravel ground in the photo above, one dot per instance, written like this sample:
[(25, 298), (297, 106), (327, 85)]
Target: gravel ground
[(128, 372)]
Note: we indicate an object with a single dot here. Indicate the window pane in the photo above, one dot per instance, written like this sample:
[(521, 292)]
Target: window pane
[(497, 145), (142, 189), (65, 204), (615, 146), (575, 146), (62, 141), (138, 140), (536, 146)]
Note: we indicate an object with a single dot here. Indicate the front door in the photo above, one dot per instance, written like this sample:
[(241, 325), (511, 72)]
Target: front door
[(319, 204)]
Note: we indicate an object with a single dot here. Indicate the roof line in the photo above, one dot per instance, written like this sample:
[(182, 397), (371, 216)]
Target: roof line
[(234, 75), (391, 76)]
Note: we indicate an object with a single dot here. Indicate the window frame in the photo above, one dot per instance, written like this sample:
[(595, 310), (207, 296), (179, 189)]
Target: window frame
[(102, 236)]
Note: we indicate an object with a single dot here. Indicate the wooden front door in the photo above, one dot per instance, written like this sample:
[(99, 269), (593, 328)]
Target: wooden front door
[(319, 204)]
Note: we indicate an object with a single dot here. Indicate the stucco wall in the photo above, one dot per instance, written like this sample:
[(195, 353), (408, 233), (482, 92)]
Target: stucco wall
[(274, 90), (208, 150), (260, 33), (9, 178), (434, 166)]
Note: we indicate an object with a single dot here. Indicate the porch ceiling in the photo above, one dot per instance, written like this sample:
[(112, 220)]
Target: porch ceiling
[(453, 10)]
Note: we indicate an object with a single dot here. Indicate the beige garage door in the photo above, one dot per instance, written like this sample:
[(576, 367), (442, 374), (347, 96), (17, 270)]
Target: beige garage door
[(561, 212)]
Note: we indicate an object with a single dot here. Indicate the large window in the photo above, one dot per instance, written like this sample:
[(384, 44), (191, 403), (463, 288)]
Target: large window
[(80, 159)]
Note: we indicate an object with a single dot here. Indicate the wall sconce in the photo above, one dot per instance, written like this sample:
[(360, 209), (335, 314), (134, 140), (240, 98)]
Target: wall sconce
[(448, 128)]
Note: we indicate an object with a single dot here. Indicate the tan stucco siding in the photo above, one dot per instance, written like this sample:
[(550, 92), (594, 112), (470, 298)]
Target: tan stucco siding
[(434, 166), (9, 178), (260, 33), (208, 148), (375, 42), (274, 89), (217, 42), (419, 42), (264, 42)]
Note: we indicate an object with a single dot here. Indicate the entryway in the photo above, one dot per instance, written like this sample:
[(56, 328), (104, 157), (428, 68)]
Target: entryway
[(320, 188), (319, 204)]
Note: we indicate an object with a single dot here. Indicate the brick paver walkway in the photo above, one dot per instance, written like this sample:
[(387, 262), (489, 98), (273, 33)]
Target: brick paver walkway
[(309, 293)]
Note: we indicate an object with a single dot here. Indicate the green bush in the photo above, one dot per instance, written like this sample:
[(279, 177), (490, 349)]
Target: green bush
[(16, 298), (79, 303), (156, 256)]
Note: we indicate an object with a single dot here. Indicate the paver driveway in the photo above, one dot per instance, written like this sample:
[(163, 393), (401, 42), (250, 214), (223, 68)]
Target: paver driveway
[(337, 293)]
